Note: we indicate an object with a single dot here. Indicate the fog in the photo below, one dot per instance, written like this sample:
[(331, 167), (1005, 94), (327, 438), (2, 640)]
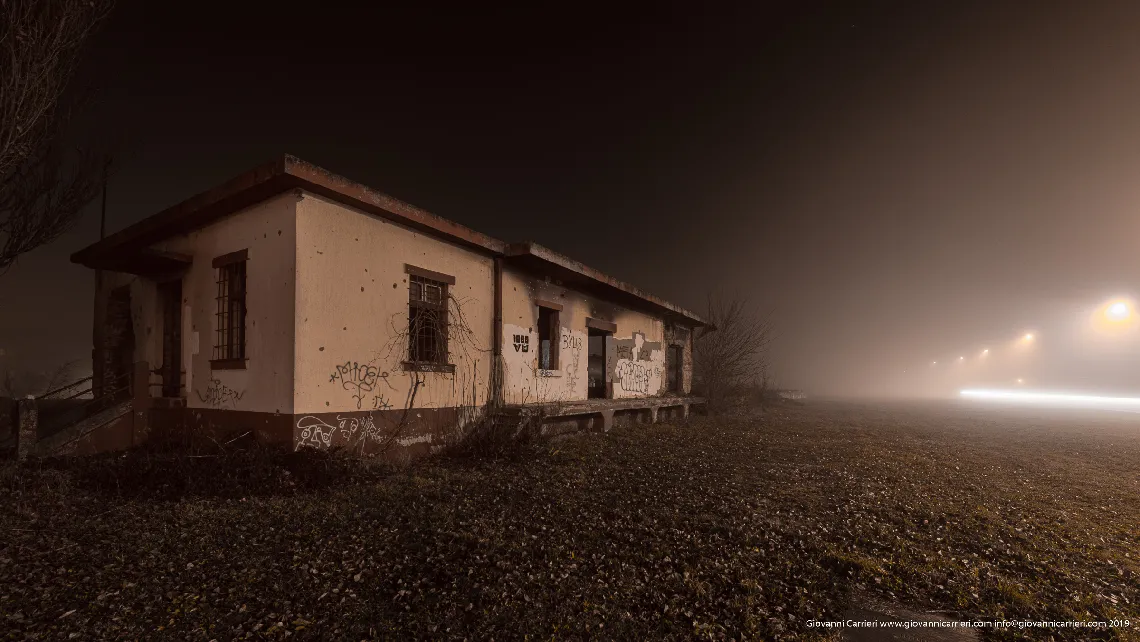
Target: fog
[(899, 183)]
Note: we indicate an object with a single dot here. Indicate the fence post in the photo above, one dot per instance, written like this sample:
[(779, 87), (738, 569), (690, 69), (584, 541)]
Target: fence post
[(27, 426)]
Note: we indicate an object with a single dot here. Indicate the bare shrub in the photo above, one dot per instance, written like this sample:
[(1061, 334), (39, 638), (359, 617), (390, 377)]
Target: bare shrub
[(500, 435), (733, 355)]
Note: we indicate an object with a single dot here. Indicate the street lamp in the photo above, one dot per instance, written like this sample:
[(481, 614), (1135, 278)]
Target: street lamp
[(1118, 311)]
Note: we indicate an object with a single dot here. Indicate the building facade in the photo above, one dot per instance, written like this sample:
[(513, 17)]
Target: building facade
[(304, 308)]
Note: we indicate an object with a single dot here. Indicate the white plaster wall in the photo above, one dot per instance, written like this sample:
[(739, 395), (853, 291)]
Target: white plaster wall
[(524, 383), (268, 232), (352, 313)]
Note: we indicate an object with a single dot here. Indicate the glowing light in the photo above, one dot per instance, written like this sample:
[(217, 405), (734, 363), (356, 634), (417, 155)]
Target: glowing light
[(933, 363), (1053, 398), (1118, 311), (1028, 337), (985, 352), (961, 358), (1021, 381)]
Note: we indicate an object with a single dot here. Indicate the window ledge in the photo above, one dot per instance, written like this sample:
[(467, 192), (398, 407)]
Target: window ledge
[(228, 364), (425, 366)]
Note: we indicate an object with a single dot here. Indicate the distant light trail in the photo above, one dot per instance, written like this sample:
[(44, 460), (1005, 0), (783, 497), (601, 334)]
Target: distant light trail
[(1053, 398)]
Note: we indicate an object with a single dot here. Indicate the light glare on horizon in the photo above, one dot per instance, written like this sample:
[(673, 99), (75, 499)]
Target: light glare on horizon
[(1053, 398)]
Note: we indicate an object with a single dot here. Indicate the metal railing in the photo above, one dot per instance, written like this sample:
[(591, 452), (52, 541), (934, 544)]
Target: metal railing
[(161, 383), (70, 404)]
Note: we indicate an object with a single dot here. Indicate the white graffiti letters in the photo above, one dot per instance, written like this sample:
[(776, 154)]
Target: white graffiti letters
[(318, 433), (633, 377)]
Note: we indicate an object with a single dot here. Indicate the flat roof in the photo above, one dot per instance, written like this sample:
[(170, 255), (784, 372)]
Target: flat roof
[(132, 244)]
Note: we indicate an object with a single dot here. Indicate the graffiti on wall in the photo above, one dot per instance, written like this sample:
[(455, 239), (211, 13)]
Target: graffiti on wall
[(358, 378), (636, 348), (522, 342), (633, 377), (571, 342), (572, 349), (318, 433), (638, 370), (379, 402), (220, 395)]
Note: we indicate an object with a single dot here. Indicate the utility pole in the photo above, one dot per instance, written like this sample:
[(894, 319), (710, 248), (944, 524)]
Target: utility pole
[(103, 210)]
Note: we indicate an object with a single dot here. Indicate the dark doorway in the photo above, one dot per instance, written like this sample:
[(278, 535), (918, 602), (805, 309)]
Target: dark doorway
[(170, 295), (674, 362), (596, 363), (118, 345)]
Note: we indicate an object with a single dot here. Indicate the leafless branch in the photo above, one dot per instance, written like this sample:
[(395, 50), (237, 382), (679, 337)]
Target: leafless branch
[(736, 353), (43, 186)]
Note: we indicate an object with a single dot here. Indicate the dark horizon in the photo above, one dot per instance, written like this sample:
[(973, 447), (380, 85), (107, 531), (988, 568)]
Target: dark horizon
[(899, 184)]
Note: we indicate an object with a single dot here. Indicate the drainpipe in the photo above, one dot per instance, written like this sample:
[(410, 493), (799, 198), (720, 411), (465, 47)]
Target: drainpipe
[(497, 365)]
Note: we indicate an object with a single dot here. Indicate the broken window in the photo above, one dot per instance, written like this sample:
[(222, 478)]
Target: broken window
[(427, 320), (548, 330), (229, 341)]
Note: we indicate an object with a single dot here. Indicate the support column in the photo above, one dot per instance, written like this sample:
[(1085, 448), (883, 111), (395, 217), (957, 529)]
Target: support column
[(607, 420), (27, 426), (140, 400)]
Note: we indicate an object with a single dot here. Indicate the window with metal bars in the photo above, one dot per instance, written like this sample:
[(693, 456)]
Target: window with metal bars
[(229, 333), (427, 320)]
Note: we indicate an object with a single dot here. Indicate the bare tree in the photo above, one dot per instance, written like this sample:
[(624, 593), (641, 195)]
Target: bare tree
[(43, 185), (736, 352)]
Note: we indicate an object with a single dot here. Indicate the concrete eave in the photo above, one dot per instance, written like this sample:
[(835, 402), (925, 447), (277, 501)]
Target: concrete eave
[(260, 184), (130, 248), (544, 260)]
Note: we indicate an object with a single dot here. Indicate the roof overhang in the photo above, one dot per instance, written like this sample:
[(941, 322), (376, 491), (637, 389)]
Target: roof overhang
[(541, 260), (149, 263), (131, 249), (259, 184)]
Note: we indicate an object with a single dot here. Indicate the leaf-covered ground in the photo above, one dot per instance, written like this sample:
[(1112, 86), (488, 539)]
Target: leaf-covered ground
[(740, 527)]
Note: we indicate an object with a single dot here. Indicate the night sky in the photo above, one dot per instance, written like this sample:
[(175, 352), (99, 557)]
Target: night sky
[(898, 182)]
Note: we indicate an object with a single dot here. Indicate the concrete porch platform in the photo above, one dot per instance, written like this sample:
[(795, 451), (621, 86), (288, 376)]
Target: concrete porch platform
[(601, 414)]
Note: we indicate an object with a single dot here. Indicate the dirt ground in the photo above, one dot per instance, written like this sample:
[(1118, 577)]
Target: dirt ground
[(753, 526)]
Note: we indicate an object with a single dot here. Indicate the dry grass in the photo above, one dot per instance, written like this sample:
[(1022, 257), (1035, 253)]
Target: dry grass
[(741, 527)]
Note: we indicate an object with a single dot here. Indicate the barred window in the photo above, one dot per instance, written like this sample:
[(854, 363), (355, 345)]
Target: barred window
[(229, 334), (427, 320)]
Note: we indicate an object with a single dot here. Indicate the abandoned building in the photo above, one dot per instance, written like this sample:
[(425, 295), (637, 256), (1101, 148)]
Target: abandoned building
[(303, 308)]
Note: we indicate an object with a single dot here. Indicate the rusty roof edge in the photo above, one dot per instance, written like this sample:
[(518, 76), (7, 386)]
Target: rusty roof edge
[(546, 254), (155, 223), (292, 172), (305, 175), (315, 176)]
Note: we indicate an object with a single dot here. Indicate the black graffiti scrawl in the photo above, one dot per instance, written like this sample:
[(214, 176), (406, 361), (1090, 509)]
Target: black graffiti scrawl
[(358, 378), (522, 342)]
